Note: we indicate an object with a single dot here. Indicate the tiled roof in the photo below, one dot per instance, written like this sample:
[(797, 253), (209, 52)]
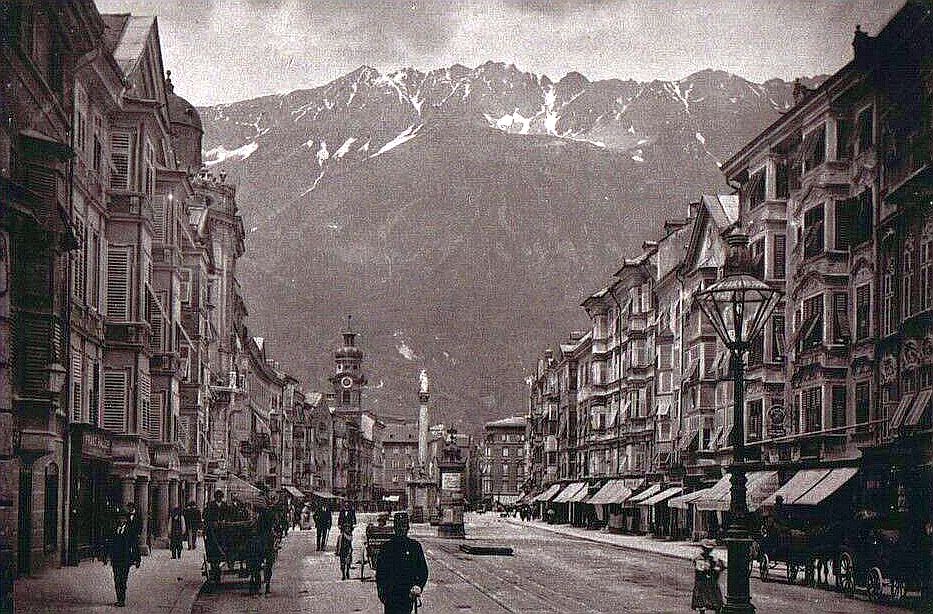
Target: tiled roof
[(514, 421)]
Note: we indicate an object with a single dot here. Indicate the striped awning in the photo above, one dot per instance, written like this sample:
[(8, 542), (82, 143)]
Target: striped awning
[(811, 486), (662, 496), (645, 494), (759, 486), (547, 494), (614, 491), (568, 492)]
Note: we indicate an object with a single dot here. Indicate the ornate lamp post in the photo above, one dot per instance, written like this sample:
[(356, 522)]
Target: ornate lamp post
[(738, 305)]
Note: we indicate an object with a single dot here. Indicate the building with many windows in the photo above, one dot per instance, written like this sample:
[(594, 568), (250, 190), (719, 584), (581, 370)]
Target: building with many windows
[(503, 460)]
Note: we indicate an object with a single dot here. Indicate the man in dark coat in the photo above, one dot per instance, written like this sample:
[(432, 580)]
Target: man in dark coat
[(121, 552), (135, 524), (192, 523), (402, 570), (322, 522), (347, 515), (215, 511)]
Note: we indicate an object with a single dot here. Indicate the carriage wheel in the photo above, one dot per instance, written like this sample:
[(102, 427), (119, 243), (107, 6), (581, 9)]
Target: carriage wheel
[(898, 590), (792, 570), (845, 580), (874, 584), (764, 567)]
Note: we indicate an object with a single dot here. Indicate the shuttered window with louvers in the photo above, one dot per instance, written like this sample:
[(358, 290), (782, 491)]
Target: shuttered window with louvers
[(115, 400), (42, 181), (121, 148), (77, 385), (157, 411), (79, 263), (144, 404), (118, 283), (160, 214)]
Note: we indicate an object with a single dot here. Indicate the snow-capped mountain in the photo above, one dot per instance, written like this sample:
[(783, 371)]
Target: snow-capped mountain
[(461, 213)]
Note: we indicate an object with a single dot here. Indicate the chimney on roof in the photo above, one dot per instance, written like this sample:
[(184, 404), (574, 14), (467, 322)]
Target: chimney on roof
[(861, 47), (693, 209), (169, 88), (223, 176)]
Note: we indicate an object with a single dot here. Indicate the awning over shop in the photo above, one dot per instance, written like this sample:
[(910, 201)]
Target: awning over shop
[(662, 496), (827, 486), (645, 494), (391, 498), (681, 502), (759, 485), (919, 408), (901, 412), (323, 494), (569, 491), (614, 491), (580, 495), (294, 492), (811, 486), (548, 494)]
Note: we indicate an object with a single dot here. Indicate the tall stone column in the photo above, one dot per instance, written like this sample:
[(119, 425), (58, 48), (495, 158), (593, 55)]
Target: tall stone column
[(129, 491), (423, 419), (173, 495), (142, 505), (162, 509)]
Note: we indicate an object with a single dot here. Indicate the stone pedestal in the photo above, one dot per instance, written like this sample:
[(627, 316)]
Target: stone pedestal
[(452, 468), (422, 498)]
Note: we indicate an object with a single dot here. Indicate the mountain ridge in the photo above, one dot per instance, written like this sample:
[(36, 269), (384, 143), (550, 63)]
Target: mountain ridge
[(462, 201)]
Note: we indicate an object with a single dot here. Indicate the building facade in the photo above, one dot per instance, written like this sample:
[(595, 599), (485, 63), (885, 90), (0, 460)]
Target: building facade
[(503, 461)]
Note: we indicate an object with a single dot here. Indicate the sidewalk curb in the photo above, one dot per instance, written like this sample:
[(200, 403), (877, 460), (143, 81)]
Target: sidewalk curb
[(597, 541), (187, 597)]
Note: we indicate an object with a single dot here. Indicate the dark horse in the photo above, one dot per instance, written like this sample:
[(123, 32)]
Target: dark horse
[(812, 547), (264, 536)]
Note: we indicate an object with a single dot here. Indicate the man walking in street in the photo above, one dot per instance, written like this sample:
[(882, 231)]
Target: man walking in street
[(322, 522), (402, 570), (135, 527), (347, 514), (192, 523), (121, 552)]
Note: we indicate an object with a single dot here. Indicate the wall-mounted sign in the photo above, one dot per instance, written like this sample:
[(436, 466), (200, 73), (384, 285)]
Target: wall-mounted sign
[(776, 418), (450, 481)]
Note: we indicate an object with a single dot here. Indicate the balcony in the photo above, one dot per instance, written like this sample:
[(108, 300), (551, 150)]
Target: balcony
[(165, 363), (131, 203), (133, 335)]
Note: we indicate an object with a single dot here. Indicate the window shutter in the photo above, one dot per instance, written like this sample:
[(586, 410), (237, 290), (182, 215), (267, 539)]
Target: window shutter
[(159, 216), (77, 377), (118, 283), (157, 411), (779, 261), (156, 337), (43, 181), (144, 405), (115, 401), (79, 263), (94, 401), (121, 144)]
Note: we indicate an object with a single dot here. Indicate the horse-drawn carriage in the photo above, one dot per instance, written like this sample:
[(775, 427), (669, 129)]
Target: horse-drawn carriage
[(376, 537), (811, 548), (242, 541), (883, 557)]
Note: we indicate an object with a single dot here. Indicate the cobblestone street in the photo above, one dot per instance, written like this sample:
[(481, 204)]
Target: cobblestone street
[(549, 573)]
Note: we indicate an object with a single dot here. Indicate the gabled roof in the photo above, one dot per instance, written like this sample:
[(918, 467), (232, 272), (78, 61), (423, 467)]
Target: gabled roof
[(126, 35), (724, 208)]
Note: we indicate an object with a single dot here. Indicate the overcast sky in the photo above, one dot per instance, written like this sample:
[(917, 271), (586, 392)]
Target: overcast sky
[(226, 50)]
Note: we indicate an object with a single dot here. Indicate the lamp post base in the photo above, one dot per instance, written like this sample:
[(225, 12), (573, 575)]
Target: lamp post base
[(738, 596)]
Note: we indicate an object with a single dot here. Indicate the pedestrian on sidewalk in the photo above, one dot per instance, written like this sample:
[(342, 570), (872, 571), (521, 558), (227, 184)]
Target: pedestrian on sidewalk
[(177, 530), (401, 571), (344, 550), (121, 552), (135, 524), (706, 569), (192, 523)]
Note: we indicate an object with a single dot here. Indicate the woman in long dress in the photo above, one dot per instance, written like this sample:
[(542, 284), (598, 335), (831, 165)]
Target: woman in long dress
[(706, 569)]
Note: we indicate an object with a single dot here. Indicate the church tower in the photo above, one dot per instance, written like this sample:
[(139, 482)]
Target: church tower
[(348, 379)]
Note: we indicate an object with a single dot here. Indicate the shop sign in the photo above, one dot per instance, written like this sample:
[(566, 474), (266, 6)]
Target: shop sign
[(95, 444), (776, 417), (450, 481)]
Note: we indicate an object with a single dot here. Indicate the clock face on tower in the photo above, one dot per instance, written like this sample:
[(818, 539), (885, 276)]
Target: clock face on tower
[(346, 381)]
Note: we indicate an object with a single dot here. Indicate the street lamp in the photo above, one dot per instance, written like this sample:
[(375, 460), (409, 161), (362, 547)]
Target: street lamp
[(738, 306)]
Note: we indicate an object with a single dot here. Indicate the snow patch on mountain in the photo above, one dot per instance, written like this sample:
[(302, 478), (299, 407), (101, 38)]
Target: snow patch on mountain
[(345, 148), (221, 153), (406, 352), (403, 137), (322, 154)]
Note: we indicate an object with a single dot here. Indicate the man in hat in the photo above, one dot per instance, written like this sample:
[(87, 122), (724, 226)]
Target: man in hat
[(135, 524), (402, 570), (121, 553)]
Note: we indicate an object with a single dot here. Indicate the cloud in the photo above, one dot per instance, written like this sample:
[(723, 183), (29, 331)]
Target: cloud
[(224, 50)]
